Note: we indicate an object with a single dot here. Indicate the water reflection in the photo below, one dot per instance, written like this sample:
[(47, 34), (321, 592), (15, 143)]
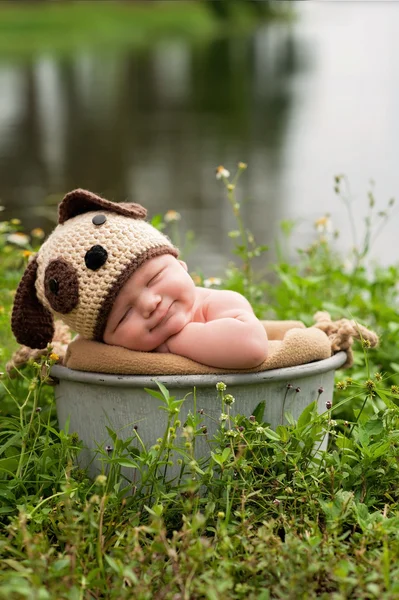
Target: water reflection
[(344, 118), (150, 126)]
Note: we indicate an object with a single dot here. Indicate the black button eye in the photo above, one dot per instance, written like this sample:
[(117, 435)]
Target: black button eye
[(54, 286), (99, 219), (96, 257)]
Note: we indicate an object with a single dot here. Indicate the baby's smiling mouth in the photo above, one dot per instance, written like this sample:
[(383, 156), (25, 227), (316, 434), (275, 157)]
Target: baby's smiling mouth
[(162, 317)]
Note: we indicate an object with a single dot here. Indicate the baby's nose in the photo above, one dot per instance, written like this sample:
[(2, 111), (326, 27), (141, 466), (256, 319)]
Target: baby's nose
[(150, 304)]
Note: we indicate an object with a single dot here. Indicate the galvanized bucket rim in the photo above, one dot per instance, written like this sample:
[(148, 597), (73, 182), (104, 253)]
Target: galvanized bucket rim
[(336, 361)]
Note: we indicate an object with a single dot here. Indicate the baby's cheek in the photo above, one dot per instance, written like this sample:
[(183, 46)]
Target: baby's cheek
[(157, 338), (176, 323), (130, 336)]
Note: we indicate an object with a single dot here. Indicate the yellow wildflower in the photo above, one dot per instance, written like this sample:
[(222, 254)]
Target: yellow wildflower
[(15, 222), (37, 233), (54, 357), (27, 253), (196, 278)]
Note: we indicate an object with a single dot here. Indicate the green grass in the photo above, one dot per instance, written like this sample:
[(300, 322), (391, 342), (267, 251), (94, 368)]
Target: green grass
[(262, 516)]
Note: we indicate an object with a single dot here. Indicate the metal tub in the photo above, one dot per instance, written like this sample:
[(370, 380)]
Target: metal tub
[(93, 401)]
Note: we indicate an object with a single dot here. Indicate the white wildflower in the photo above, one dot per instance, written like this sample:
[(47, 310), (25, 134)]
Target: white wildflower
[(229, 399), (323, 225), (222, 173), (212, 281), (19, 239), (172, 215), (101, 480)]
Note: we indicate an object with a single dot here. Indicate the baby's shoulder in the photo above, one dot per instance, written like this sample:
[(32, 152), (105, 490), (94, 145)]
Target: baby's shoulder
[(213, 302)]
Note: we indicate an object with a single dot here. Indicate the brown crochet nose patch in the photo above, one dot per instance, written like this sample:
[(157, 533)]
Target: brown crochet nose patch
[(61, 286)]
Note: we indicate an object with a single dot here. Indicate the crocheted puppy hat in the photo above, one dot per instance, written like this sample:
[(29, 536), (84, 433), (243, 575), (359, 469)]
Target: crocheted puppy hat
[(80, 269)]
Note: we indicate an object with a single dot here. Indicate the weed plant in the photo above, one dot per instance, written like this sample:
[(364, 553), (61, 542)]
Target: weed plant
[(266, 514)]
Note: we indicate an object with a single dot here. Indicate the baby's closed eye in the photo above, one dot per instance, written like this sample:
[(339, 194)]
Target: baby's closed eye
[(125, 314), (154, 278)]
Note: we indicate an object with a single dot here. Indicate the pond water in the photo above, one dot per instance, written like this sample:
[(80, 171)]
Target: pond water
[(299, 102)]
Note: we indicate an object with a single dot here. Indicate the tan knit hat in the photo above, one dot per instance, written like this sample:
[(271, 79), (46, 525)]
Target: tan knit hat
[(80, 269)]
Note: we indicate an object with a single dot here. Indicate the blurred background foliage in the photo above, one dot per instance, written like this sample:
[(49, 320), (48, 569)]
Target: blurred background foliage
[(29, 26)]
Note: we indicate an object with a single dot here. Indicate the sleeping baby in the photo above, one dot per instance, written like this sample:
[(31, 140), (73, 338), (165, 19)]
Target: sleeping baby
[(114, 278)]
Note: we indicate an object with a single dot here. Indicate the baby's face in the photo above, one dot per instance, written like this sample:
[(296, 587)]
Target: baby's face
[(154, 304)]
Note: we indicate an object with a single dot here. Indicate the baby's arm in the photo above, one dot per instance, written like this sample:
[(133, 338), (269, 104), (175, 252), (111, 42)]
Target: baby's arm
[(232, 337)]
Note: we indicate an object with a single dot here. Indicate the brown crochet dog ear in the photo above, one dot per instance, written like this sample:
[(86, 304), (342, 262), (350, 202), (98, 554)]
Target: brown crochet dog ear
[(31, 322), (81, 201)]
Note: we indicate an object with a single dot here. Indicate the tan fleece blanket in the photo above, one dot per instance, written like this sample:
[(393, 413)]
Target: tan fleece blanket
[(290, 344)]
